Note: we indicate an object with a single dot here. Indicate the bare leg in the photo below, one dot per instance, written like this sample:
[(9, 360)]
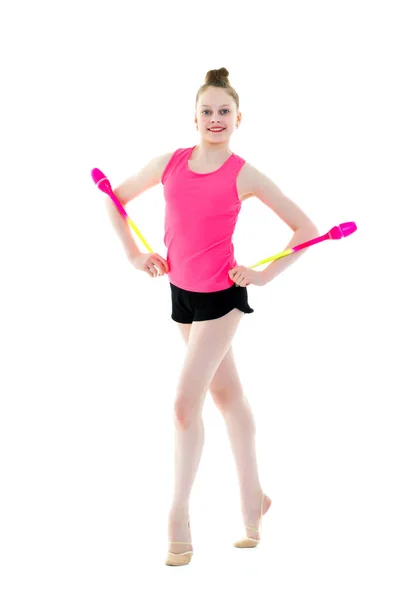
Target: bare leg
[(209, 342), (241, 428), (189, 442)]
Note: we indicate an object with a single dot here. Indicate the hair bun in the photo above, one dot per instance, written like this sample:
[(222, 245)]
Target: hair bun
[(218, 77)]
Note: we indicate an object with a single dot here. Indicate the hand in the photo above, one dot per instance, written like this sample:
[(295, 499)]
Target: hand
[(149, 263), (243, 276)]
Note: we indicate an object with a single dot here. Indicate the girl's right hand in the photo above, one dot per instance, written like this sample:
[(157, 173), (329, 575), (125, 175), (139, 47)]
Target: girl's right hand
[(149, 264)]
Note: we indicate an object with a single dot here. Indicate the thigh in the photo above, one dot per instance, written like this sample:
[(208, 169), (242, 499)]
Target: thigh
[(226, 379), (209, 342)]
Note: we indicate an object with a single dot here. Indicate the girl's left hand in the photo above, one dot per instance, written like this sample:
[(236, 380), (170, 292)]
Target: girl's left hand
[(243, 276)]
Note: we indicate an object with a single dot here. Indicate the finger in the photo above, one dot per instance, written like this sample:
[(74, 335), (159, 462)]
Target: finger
[(161, 267), (162, 264), (165, 266), (158, 262), (153, 268)]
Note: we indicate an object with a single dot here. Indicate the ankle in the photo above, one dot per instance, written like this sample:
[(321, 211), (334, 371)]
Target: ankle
[(252, 496)]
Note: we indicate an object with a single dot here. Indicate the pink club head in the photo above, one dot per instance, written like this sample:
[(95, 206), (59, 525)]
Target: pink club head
[(101, 181), (343, 230), (348, 228)]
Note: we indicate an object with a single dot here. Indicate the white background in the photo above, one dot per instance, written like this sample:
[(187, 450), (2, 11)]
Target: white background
[(90, 354)]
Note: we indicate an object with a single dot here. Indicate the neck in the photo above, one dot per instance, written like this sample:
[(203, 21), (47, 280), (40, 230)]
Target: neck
[(206, 151)]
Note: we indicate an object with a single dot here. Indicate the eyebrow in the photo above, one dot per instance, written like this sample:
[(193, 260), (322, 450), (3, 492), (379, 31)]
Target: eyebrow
[(210, 107)]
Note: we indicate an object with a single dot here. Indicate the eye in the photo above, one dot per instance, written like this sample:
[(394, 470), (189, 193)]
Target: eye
[(207, 110)]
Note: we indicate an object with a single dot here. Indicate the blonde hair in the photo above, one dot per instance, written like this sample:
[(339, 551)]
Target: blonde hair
[(218, 78)]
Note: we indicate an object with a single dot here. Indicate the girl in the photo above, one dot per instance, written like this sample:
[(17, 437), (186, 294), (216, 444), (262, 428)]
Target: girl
[(204, 187)]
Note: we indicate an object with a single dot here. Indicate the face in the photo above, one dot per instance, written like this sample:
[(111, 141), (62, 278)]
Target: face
[(216, 108)]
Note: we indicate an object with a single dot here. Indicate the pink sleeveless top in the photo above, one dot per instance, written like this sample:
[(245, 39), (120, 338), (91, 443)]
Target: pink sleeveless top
[(201, 211)]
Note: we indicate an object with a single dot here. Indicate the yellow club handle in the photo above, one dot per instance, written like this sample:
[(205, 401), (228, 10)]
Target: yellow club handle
[(275, 257), (136, 230)]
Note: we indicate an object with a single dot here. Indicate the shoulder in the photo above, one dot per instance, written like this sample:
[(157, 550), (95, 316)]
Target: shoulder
[(164, 164), (255, 181), (164, 159), (249, 172), (247, 180)]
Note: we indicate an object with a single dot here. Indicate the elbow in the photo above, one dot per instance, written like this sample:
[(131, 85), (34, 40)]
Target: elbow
[(308, 228), (311, 228)]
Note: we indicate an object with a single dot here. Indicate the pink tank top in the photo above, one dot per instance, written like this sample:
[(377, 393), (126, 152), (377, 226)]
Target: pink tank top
[(201, 211)]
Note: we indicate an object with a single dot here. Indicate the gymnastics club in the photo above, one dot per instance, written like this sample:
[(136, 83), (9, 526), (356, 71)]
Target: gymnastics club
[(337, 232), (104, 185)]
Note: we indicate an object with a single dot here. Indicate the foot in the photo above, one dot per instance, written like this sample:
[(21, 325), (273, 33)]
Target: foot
[(179, 531), (251, 511)]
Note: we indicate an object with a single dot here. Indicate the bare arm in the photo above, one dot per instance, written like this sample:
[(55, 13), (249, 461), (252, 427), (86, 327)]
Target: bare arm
[(149, 176), (304, 229)]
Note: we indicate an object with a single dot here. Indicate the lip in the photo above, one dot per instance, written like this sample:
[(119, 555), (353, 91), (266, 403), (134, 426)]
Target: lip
[(220, 128)]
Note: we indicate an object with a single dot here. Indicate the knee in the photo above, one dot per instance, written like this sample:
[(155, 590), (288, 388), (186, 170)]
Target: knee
[(222, 399), (185, 413), (181, 416), (234, 402), (228, 398)]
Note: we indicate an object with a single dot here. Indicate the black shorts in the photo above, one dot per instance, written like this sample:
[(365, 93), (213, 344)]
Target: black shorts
[(203, 306)]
